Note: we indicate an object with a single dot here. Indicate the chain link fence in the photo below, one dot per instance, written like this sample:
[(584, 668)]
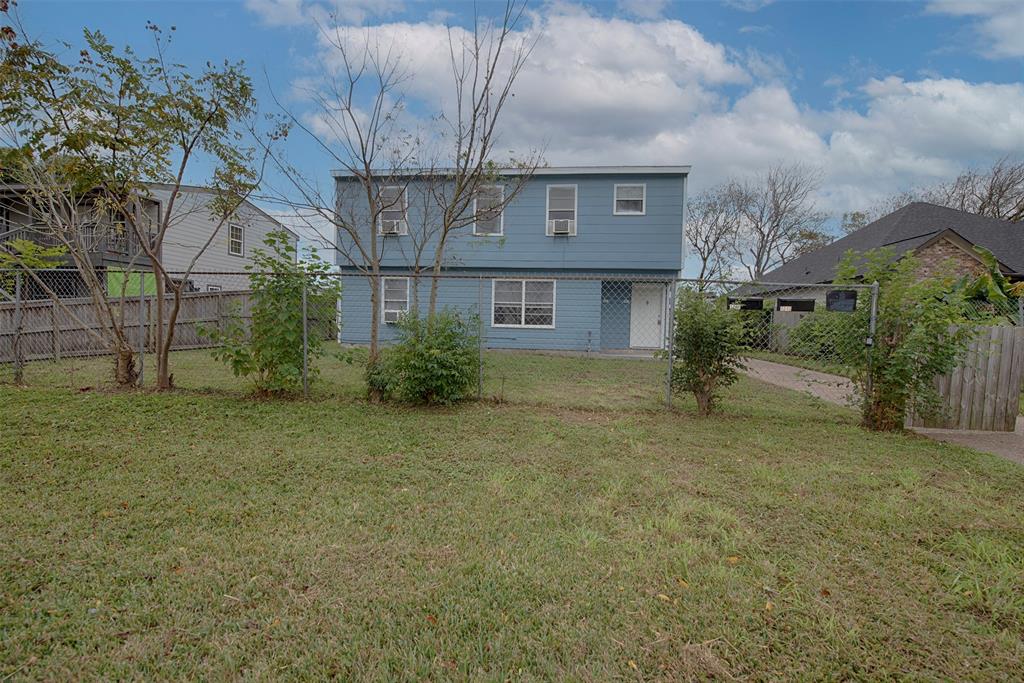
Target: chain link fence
[(570, 341)]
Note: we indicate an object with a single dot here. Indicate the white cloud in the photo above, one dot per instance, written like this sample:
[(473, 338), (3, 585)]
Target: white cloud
[(999, 23), (610, 90), (278, 12), (297, 12), (748, 5), (645, 9), (755, 28)]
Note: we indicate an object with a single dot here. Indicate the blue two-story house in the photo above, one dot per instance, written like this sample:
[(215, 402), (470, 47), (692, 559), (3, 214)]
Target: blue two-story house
[(581, 258)]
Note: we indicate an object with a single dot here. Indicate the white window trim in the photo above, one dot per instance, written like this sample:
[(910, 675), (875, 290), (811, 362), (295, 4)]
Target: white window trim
[(404, 228), (213, 288), (554, 301), (575, 208), (501, 215), (240, 254), (383, 302), (615, 200)]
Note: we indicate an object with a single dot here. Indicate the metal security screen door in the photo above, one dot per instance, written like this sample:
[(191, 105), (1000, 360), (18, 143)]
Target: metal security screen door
[(647, 303)]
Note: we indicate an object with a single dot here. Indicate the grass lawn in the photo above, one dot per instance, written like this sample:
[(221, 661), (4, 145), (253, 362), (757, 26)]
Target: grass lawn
[(203, 534), (509, 376)]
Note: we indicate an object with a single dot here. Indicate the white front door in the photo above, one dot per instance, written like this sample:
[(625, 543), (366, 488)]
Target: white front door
[(645, 314)]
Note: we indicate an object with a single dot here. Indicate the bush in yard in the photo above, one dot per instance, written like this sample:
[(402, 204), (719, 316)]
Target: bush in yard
[(757, 328), (435, 360), (269, 349), (915, 339), (707, 347), (828, 336)]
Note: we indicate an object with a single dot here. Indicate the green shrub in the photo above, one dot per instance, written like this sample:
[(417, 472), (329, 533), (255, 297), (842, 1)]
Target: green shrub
[(707, 346), (827, 336), (435, 360), (269, 349), (916, 337), (757, 328)]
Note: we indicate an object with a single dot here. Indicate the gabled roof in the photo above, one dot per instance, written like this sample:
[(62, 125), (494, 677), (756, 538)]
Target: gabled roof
[(905, 230)]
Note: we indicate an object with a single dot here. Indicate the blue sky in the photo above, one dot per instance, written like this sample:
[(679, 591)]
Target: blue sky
[(878, 95)]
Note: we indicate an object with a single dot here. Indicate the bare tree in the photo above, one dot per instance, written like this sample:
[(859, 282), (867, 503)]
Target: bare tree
[(358, 124), (712, 220), (484, 68), (996, 192), (779, 220), (386, 166)]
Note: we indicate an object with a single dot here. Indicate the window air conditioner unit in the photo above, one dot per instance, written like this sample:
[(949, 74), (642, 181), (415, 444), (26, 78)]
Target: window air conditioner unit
[(564, 226), (391, 317), (391, 227)]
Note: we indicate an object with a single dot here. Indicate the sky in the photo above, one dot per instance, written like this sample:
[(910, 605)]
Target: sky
[(877, 96)]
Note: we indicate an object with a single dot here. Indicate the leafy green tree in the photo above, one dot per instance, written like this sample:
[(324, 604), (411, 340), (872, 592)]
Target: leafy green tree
[(269, 350), (85, 136), (916, 337), (434, 361), (707, 348)]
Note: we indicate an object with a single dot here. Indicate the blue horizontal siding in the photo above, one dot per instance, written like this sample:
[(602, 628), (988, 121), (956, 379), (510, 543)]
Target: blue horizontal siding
[(604, 241), (577, 314)]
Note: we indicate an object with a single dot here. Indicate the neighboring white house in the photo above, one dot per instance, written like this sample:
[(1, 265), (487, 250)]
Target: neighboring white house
[(194, 234)]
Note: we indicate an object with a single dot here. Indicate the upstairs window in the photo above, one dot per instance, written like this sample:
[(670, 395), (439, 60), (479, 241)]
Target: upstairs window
[(489, 218), (236, 240), (561, 210), (395, 298), (523, 303), (393, 207), (630, 200)]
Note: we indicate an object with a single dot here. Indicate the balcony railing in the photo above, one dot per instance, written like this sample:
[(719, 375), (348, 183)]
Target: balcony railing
[(96, 238)]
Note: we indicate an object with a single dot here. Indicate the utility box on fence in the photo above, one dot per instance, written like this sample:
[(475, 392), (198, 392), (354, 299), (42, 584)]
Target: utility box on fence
[(983, 392)]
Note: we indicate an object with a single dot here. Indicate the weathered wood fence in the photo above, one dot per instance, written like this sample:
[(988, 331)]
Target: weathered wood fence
[(48, 330), (984, 391)]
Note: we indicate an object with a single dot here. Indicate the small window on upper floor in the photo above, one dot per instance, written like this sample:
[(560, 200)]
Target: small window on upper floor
[(236, 240), (630, 200), (394, 204), (487, 210), (561, 210)]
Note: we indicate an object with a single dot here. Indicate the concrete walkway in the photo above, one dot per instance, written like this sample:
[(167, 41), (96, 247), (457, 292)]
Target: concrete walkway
[(839, 390)]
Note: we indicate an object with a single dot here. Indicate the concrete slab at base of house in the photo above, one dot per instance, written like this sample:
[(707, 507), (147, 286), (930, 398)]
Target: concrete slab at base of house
[(839, 390)]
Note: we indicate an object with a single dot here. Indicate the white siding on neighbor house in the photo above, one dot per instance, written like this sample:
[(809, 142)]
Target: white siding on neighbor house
[(191, 227)]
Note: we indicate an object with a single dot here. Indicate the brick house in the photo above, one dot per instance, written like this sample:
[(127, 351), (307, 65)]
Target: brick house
[(939, 237)]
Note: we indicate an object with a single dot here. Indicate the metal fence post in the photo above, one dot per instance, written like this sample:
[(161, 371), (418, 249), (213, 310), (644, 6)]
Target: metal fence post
[(18, 368), (870, 341), (142, 327), (671, 328), (479, 338), (305, 341)]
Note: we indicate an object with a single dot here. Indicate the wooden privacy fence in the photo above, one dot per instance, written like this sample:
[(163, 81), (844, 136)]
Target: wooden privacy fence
[(48, 330), (984, 391)]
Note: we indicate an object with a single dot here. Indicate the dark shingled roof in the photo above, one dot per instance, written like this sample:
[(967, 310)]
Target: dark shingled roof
[(905, 230)]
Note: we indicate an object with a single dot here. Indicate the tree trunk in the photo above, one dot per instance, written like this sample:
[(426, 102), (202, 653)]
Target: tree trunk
[(125, 372), (883, 416), (158, 332), (705, 401), (373, 356), (435, 281), (164, 378)]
